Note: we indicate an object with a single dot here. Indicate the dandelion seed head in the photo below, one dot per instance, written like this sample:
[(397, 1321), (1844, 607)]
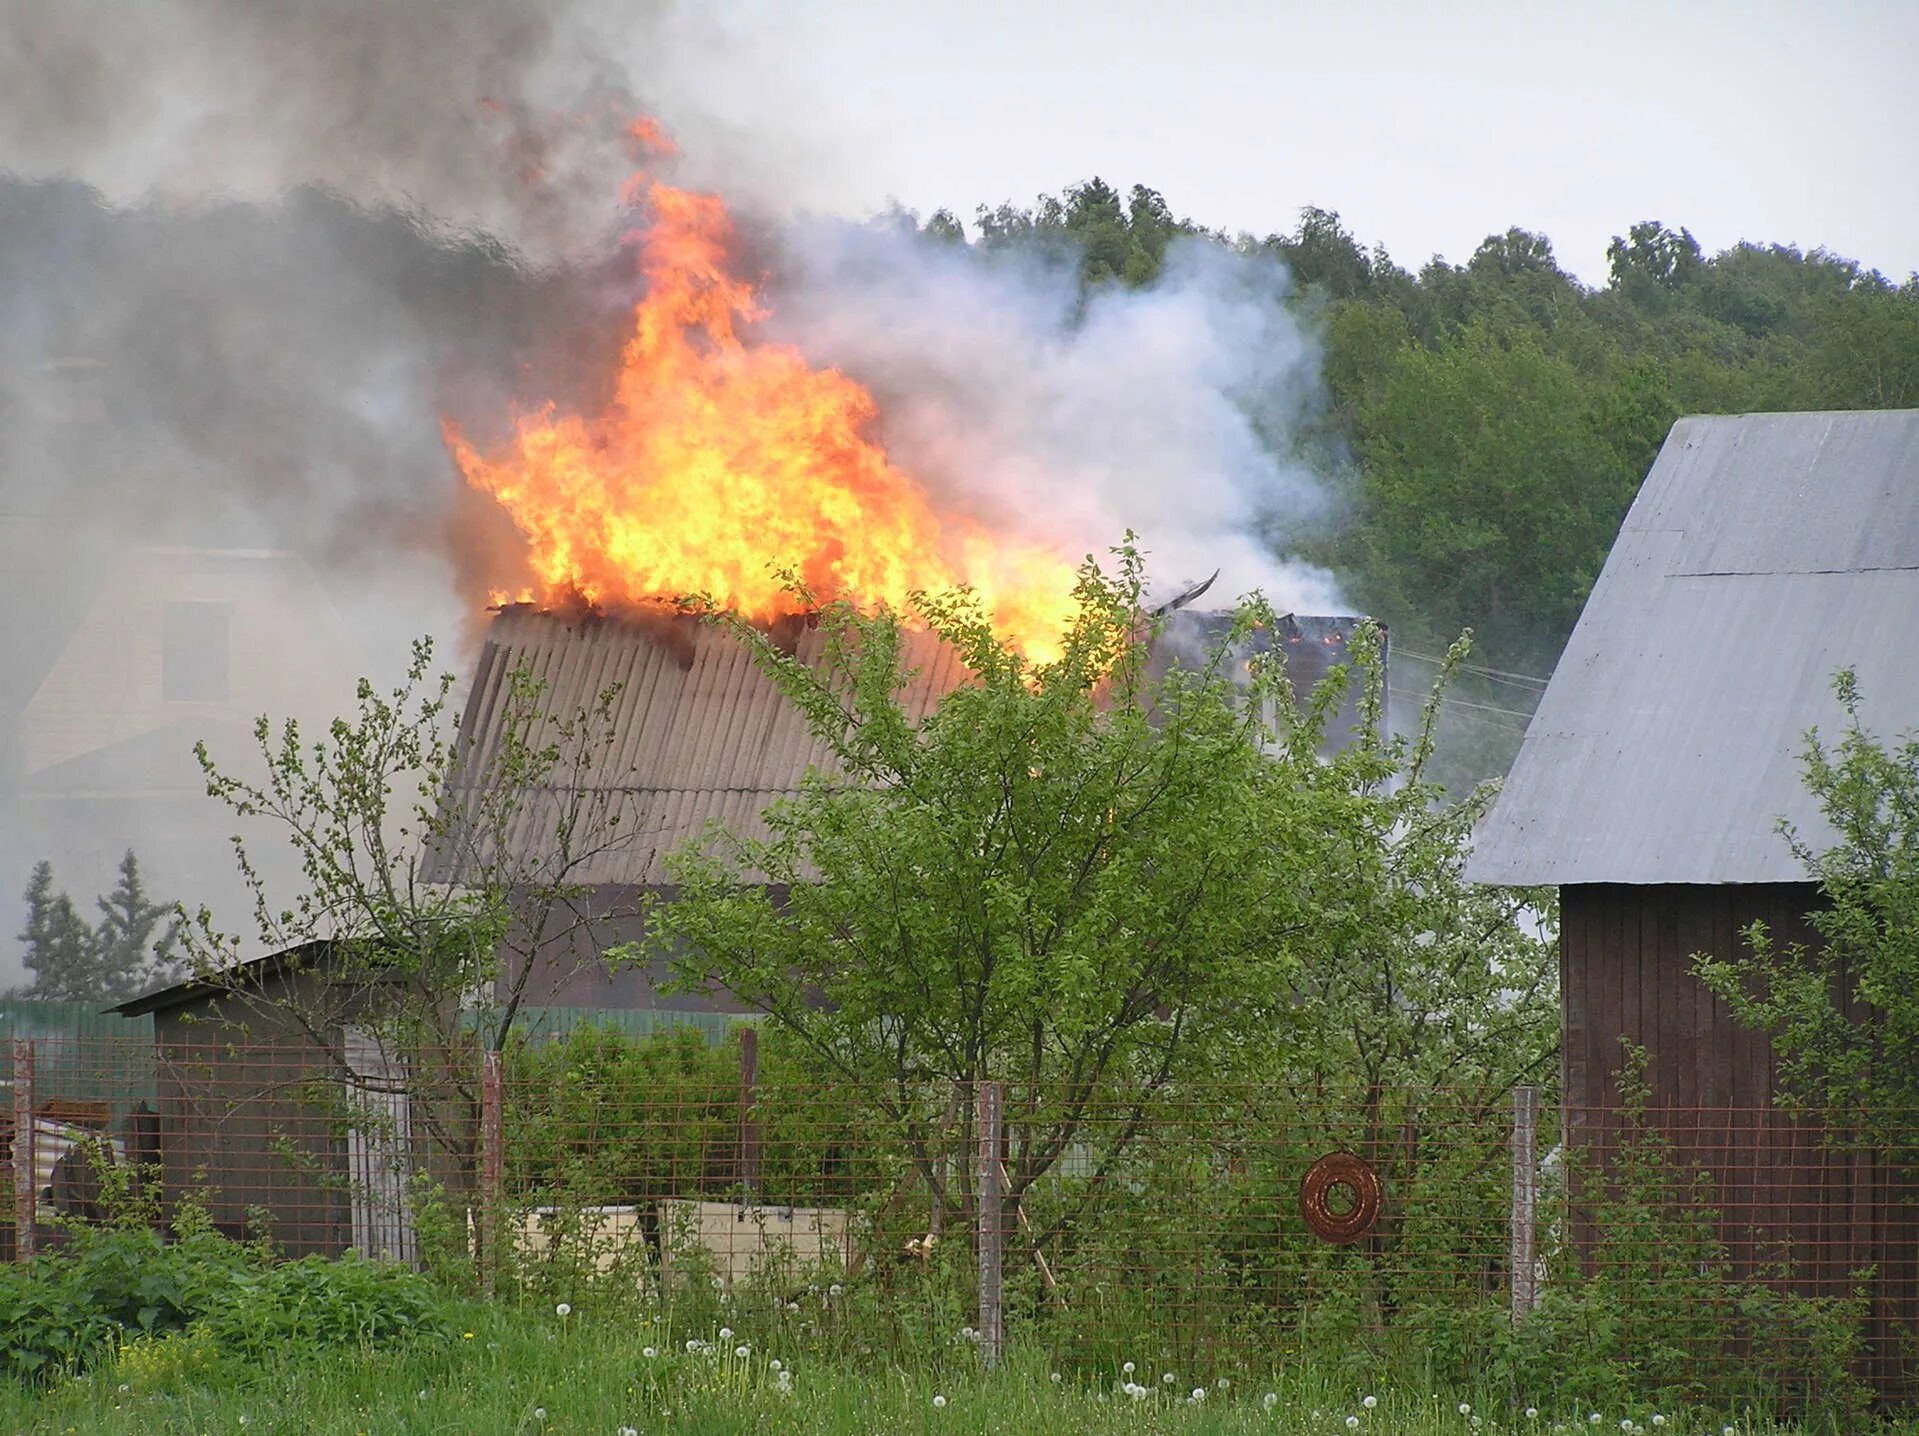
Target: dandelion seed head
[(1269, 1401), (1352, 1423), (564, 1309), (1369, 1402), (940, 1401)]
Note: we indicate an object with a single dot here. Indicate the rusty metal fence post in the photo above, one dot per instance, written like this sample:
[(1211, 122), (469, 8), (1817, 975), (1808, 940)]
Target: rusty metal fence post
[(24, 1185), (1525, 1292), (991, 1234), (492, 1169)]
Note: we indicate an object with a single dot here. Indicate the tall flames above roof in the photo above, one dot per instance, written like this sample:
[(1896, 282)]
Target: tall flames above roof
[(720, 462)]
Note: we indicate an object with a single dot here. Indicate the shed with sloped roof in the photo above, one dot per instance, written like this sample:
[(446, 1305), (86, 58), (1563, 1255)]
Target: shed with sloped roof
[(1764, 553)]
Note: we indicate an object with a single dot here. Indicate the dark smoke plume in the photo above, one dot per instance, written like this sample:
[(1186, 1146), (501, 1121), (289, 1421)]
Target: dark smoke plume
[(499, 116)]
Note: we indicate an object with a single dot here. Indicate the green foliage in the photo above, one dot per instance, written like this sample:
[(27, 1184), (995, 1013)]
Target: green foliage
[(1138, 898), (1843, 1014), (1495, 480), (603, 1117), (1075, 875), (1112, 240), (128, 952), (1641, 1300), (314, 1303), (522, 1370), (73, 1307), (1488, 423)]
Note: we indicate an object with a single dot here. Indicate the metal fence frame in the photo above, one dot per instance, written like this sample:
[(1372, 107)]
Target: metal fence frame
[(339, 1133)]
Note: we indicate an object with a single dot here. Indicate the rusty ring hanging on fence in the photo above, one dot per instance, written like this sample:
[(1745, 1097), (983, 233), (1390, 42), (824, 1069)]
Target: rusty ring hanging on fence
[(1333, 1172)]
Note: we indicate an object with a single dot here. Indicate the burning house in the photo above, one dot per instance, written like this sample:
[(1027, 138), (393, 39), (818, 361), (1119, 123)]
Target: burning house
[(695, 735), (730, 469)]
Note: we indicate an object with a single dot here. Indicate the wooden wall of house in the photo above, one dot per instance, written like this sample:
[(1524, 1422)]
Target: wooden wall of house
[(1625, 966), (570, 968), (237, 1136), (1784, 1193)]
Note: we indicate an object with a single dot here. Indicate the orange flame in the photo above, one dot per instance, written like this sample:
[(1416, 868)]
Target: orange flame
[(720, 461)]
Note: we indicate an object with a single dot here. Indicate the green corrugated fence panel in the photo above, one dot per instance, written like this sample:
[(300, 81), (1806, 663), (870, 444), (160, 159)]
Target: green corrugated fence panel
[(81, 1052), (25, 1017)]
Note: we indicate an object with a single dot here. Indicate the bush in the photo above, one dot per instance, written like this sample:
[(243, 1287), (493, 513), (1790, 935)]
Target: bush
[(314, 1302), (63, 1310), (70, 1308), (1649, 1304)]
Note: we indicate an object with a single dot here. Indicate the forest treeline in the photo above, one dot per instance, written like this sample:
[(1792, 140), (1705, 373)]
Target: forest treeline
[(1485, 425)]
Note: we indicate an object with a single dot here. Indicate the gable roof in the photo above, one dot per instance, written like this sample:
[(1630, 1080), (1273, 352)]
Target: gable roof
[(1764, 553), (698, 732)]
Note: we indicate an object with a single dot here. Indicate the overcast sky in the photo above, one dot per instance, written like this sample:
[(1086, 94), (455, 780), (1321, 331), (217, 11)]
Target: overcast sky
[(1426, 126)]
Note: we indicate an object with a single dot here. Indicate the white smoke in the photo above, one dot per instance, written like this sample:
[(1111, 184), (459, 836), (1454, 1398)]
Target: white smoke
[(1165, 410), (252, 251)]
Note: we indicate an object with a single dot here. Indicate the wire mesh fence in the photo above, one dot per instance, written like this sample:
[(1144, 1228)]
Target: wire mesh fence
[(1211, 1223)]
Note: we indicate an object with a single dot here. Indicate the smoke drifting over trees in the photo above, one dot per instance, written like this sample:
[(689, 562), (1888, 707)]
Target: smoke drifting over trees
[(301, 243), (251, 255)]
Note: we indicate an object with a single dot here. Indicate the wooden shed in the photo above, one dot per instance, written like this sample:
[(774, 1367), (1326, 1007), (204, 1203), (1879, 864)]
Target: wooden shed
[(300, 1128), (1763, 554)]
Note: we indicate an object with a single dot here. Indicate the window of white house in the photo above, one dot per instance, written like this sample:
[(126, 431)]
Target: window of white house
[(195, 642)]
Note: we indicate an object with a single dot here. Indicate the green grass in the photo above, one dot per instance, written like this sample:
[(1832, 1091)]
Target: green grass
[(534, 1372)]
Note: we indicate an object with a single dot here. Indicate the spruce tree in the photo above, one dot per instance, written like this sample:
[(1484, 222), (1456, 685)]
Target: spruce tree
[(135, 938), (130, 951), (59, 944)]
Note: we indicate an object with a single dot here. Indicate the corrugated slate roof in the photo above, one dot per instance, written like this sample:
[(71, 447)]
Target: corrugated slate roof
[(1764, 553), (698, 733)]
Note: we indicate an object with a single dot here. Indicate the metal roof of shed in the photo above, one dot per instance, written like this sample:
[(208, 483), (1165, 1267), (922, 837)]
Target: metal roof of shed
[(1764, 553)]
